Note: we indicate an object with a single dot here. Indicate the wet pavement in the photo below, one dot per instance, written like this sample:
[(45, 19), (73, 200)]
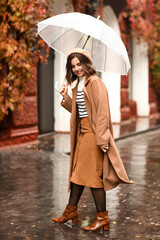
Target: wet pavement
[(136, 126), (33, 189)]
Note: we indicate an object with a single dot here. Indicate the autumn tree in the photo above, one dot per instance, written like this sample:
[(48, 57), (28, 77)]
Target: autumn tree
[(19, 48), (90, 7), (144, 18)]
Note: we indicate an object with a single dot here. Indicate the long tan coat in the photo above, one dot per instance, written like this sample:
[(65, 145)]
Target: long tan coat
[(97, 104)]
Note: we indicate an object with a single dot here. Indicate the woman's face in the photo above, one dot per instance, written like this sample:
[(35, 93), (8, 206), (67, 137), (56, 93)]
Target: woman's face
[(77, 67)]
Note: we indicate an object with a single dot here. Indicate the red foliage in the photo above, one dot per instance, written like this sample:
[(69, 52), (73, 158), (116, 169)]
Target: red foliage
[(86, 6), (141, 17), (19, 48), (144, 18)]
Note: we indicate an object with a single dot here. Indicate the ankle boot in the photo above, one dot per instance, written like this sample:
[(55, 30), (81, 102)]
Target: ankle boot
[(70, 213), (101, 220)]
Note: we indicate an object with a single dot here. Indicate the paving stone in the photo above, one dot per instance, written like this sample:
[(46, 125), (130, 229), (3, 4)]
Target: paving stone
[(33, 189)]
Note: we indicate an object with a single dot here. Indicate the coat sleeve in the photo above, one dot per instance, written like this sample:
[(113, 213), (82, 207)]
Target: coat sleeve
[(67, 103), (101, 101)]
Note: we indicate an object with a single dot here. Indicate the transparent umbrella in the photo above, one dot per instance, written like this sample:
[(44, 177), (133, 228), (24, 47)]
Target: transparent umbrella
[(67, 31)]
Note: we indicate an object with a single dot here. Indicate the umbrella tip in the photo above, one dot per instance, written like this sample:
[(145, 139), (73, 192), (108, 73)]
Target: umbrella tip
[(98, 17)]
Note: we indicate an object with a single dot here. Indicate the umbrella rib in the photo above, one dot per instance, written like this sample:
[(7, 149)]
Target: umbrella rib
[(105, 58), (44, 29), (92, 47), (80, 40), (60, 36), (86, 42)]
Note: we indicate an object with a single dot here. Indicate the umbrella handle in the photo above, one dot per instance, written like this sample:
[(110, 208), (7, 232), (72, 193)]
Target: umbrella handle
[(56, 86)]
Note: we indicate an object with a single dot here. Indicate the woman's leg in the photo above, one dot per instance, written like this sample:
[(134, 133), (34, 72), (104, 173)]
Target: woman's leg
[(70, 212), (99, 196), (101, 220), (75, 194)]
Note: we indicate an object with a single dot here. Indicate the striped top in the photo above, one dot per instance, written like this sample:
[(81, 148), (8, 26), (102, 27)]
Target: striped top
[(80, 99)]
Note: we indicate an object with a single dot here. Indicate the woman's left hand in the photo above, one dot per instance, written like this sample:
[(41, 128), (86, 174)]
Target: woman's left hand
[(64, 90), (104, 147)]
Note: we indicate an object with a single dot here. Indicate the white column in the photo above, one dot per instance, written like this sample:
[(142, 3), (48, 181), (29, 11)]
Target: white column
[(112, 82), (140, 77), (61, 115)]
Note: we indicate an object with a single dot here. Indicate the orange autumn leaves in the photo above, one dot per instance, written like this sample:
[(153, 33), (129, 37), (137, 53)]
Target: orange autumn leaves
[(19, 48), (144, 19)]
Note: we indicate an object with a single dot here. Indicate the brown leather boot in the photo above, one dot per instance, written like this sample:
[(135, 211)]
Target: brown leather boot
[(101, 220), (70, 213)]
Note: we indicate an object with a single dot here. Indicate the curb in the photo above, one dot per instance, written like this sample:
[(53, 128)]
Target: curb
[(137, 133)]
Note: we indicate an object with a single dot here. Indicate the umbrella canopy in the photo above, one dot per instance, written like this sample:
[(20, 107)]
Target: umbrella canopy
[(67, 31)]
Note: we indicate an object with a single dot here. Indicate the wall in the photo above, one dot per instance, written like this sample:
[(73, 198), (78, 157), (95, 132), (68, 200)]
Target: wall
[(23, 122), (61, 116), (112, 81), (128, 106), (138, 96), (140, 77)]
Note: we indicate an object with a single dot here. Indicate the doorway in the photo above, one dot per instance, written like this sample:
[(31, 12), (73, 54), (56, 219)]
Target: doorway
[(46, 95)]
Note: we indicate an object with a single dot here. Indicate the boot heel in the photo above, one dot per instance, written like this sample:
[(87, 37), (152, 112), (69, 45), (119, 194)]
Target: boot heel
[(75, 221), (106, 227)]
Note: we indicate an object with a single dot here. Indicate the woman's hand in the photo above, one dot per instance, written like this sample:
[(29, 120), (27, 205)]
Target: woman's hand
[(104, 147), (64, 90)]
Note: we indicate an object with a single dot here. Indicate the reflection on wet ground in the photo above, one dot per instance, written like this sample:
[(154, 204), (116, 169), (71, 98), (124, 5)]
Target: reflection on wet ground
[(61, 142), (33, 188), (136, 125)]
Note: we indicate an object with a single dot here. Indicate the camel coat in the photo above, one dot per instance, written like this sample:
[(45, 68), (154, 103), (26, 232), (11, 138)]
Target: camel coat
[(97, 105)]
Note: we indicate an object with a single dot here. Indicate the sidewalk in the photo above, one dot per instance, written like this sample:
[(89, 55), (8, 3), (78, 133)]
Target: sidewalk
[(33, 189), (136, 126), (123, 130)]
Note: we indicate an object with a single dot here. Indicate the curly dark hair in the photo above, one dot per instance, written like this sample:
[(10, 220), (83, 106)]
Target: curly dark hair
[(86, 63)]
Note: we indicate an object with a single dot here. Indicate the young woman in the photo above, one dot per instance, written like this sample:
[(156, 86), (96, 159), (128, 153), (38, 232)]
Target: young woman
[(94, 162)]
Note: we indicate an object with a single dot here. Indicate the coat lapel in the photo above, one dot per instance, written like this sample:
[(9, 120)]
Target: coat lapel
[(85, 87), (74, 108)]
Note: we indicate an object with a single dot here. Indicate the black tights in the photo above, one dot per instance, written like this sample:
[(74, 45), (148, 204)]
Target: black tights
[(99, 196), (75, 194)]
